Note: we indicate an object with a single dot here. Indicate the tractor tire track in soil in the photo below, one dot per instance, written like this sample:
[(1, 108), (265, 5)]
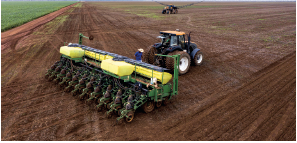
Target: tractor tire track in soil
[(244, 90)]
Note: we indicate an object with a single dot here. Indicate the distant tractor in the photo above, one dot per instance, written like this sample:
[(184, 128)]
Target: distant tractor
[(173, 43), (170, 9)]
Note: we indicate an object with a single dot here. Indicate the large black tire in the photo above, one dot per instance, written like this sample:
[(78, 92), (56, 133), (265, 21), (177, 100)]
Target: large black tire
[(148, 106), (184, 63), (149, 55), (198, 58), (170, 61)]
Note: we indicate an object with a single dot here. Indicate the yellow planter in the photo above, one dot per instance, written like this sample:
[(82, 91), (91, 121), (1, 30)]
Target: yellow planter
[(119, 68), (155, 74), (97, 56), (73, 52)]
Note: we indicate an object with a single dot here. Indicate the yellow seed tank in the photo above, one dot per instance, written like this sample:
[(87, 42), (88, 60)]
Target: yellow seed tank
[(122, 67)]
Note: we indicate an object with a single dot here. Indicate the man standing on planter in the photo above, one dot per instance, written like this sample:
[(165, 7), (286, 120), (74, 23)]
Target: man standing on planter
[(138, 55)]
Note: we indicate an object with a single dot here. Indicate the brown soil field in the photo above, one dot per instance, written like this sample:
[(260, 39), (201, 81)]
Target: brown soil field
[(244, 90)]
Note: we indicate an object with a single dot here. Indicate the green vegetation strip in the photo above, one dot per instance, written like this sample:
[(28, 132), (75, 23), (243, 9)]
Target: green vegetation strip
[(16, 13)]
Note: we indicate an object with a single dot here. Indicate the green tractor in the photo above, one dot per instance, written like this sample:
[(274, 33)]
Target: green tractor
[(174, 43)]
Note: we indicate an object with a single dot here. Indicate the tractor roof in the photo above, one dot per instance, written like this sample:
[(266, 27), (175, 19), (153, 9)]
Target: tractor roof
[(173, 33)]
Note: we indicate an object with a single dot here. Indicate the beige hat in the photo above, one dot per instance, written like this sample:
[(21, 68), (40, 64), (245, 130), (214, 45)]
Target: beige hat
[(140, 50)]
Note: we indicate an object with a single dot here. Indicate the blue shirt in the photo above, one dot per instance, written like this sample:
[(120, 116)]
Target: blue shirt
[(138, 55)]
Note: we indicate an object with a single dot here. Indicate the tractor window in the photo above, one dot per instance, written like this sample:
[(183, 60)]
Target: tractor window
[(164, 40), (181, 42), (173, 41)]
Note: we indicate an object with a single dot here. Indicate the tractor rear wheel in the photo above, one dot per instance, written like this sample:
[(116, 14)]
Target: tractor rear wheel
[(149, 55), (170, 61), (148, 106), (184, 62), (198, 58)]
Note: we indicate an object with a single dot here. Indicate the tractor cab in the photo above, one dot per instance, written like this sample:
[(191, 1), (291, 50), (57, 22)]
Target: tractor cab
[(171, 39)]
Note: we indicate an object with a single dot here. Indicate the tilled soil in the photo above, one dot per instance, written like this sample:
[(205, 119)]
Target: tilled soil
[(244, 90)]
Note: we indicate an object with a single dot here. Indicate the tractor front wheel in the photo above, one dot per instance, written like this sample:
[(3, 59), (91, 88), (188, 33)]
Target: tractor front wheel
[(198, 58)]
